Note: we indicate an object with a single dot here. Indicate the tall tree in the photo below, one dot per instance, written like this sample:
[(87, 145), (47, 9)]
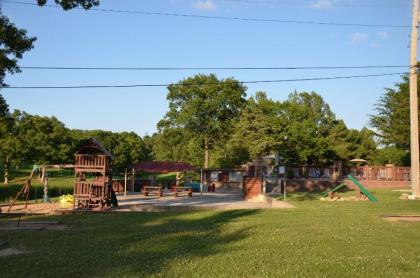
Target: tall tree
[(258, 127), (42, 139), (306, 121), (392, 121), (206, 107), (13, 43), (7, 146)]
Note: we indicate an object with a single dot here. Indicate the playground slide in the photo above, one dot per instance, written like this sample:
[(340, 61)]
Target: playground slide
[(363, 189), (334, 189)]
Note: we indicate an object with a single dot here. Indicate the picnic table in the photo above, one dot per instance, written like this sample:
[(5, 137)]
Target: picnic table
[(177, 190), (147, 190)]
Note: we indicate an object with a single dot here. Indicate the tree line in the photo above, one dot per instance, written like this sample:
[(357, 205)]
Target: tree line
[(210, 122)]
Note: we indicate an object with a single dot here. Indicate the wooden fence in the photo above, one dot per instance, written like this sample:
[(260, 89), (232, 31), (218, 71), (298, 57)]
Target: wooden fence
[(379, 173), (384, 173)]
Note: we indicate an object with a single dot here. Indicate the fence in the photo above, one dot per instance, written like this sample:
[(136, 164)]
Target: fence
[(379, 173), (310, 172), (385, 173)]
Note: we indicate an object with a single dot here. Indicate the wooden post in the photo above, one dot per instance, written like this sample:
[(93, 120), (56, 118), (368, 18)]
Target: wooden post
[(125, 183), (134, 179), (284, 191), (415, 166), (201, 182), (46, 199)]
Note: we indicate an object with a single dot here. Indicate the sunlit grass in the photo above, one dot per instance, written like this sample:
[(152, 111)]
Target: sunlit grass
[(316, 239)]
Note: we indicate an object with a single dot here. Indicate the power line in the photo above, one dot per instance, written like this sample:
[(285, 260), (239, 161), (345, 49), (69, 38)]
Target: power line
[(272, 20), (212, 68), (294, 2), (201, 84), (265, 2)]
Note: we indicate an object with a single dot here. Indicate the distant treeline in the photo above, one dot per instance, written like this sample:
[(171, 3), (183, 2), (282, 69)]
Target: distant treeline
[(211, 122)]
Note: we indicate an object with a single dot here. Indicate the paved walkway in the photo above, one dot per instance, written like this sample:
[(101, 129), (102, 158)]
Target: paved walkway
[(217, 200)]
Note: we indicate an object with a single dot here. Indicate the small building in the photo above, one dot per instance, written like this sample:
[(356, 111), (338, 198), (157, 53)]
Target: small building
[(93, 176), (224, 178)]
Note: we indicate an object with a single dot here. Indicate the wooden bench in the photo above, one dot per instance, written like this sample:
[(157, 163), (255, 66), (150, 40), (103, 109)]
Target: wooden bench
[(183, 190), (147, 190)]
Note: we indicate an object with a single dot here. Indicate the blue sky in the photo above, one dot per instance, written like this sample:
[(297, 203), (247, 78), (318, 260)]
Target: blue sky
[(92, 38)]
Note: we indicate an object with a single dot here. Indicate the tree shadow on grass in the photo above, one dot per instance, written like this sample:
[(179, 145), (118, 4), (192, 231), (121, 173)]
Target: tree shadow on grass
[(303, 196), (134, 244), (175, 240)]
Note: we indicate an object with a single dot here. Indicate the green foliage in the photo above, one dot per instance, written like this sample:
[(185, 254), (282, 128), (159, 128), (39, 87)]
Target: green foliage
[(5, 118), (351, 143), (306, 121), (258, 127), (393, 155), (7, 140), (303, 129), (204, 107), (42, 139), (392, 121), (126, 148), (13, 43), (32, 139), (70, 4)]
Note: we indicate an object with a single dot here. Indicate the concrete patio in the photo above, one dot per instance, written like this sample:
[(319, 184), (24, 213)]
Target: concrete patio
[(216, 200)]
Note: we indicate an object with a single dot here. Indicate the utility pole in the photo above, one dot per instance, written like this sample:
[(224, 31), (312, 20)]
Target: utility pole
[(414, 118)]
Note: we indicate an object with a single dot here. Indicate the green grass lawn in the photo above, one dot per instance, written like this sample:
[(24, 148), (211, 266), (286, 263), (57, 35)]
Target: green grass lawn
[(316, 239)]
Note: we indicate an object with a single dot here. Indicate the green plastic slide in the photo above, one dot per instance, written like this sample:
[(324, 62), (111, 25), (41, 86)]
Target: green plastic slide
[(325, 194), (362, 189)]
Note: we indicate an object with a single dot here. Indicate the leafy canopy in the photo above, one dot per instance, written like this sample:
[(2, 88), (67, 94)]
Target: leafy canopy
[(205, 107), (13, 43)]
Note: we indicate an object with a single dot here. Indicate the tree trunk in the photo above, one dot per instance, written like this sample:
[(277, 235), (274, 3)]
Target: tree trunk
[(206, 152)]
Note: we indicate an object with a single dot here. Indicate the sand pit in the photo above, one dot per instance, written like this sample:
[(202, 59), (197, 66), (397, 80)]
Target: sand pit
[(342, 199), (33, 208)]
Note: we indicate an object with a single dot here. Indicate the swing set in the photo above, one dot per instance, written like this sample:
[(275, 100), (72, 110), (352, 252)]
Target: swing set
[(43, 171)]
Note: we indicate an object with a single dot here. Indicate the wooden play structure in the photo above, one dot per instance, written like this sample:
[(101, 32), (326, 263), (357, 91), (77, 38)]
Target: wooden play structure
[(93, 184)]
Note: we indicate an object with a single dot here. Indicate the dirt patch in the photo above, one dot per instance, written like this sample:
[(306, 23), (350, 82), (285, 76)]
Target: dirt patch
[(37, 208), (402, 218), (338, 199), (11, 251)]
